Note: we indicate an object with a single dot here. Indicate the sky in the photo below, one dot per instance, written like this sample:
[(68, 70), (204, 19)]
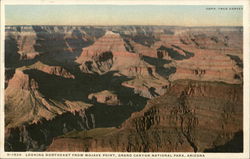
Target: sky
[(173, 15)]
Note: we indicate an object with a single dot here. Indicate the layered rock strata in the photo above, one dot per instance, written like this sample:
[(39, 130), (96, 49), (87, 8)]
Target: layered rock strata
[(109, 53), (175, 122), (24, 103)]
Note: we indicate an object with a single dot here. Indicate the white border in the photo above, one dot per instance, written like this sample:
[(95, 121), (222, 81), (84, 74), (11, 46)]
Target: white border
[(128, 2), (2, 80), (246, 113)]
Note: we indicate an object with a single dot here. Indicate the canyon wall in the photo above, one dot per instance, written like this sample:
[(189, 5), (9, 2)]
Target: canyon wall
[(191, 117), (123, 88)]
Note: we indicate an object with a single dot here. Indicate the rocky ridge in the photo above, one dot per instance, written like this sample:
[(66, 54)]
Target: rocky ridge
[(174, 122), (80, 75), (109, 54), (23, 90)]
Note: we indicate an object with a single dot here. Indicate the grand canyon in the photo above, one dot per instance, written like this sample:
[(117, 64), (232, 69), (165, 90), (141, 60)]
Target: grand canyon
[(123, 88)]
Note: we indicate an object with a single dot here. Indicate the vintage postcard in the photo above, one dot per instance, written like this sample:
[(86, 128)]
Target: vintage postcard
[(124, 79)]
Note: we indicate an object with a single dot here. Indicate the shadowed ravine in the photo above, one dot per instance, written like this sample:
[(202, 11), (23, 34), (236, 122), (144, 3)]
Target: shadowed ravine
[(123, 88), (36, 137)]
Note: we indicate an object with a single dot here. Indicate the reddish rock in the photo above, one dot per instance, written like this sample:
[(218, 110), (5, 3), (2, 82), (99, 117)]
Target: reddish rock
[(24, 103), (175, 122), (53, 70), (215, 67)]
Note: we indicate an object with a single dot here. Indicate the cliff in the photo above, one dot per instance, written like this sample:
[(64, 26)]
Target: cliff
[(78, 86), (175, 122), (24, 102)]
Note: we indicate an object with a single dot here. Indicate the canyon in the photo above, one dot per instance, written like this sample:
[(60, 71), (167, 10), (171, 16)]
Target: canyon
[(175, 122), (124, 88)]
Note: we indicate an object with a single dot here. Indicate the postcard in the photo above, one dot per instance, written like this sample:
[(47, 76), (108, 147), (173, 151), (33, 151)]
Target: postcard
[(124, 79)]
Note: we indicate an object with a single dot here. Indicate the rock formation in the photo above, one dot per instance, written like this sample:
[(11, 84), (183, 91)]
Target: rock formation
[(175, 122), (106, 54), (109, 54), (24, 103), (106, 97), (53, 70), (25, 40), (84, 88), (215, 67)]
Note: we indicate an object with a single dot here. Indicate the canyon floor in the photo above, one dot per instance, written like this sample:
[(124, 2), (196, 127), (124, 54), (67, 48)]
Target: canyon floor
[(123, 88)]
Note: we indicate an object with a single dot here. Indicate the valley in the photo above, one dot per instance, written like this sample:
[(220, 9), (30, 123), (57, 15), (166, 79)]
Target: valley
[(124, 88)]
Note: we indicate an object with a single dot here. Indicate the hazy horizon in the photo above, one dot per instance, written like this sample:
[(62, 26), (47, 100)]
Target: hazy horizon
[(120, 15), (123, 25)]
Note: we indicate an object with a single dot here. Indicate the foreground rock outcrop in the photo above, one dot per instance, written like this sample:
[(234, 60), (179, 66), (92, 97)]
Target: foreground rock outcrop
[(191, 117)]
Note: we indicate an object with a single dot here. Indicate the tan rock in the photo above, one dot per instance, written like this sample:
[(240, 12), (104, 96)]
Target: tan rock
[(105, 97)]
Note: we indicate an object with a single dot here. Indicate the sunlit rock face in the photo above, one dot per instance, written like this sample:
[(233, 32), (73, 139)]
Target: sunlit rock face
[(109, 53), (26, 103), (106, 54), (123, 88)]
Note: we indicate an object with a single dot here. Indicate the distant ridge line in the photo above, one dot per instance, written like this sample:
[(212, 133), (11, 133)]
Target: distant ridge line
[(128, 26)]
